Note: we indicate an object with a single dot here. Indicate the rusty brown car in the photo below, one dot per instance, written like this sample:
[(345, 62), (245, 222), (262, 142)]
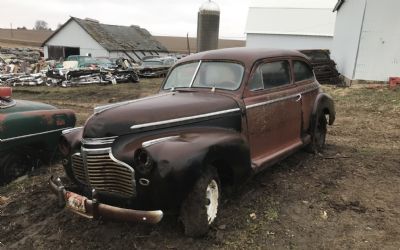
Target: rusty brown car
[(220, 117)]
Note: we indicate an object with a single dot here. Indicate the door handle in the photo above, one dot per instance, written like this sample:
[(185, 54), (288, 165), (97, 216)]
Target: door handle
[(298, 97)]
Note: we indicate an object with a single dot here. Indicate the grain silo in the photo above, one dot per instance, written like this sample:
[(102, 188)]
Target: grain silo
[(208, 26)]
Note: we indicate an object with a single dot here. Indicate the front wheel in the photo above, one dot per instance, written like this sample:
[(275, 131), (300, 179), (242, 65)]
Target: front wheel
[(200, 209), (12, 166)]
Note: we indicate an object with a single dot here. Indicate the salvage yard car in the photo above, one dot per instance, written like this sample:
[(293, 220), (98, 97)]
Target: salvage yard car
[(220, 117), (29, 133), (156, 67)]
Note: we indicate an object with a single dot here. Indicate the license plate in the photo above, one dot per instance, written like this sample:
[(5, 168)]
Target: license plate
[(75, 202)]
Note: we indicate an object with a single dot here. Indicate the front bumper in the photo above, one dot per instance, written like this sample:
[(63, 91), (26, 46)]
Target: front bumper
[(93, 209)]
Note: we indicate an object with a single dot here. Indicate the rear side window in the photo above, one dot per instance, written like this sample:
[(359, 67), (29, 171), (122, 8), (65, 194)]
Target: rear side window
[(270, 75), (302, 71)]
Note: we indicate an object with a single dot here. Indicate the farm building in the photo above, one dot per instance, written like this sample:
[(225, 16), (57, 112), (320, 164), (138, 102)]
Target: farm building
[(290, 26), (366, 41), (88, 36)]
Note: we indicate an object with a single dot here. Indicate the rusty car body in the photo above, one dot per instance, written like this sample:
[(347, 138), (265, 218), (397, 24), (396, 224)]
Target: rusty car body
[(220, 117), (29, 133)]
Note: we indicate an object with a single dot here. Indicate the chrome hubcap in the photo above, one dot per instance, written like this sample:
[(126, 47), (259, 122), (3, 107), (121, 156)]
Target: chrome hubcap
[(212, 195)]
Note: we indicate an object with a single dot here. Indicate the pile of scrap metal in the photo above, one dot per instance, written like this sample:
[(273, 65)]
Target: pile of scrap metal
[(22, 66), (84, 70), (324, 67), (28, 55)]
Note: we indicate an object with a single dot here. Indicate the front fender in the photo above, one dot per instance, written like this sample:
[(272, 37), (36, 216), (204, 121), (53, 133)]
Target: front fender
[(181, 159), (73, 137)]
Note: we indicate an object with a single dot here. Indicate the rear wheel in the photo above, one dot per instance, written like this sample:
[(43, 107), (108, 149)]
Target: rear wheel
[(200, 208), (318, 135)]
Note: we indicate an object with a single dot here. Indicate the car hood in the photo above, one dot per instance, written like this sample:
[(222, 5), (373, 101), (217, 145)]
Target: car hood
[(22, 106), (155, 112)]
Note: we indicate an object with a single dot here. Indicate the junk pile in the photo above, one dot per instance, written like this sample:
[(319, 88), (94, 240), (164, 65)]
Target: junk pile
[(22, 67), (98, 71), (324, 67), (27, 67)]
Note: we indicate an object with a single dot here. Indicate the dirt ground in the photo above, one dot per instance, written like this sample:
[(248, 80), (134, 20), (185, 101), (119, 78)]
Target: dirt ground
[(346, 198)]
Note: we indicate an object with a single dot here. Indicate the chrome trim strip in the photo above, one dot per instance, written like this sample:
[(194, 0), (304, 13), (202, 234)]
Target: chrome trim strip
[(30, 135), (100, 109), (280, 99), (127, 166), (184, 118), (159, 140), (98, 141), (67, 131), (9, 105), (84, 168), (109, 151), (195, 74), (97, 150)]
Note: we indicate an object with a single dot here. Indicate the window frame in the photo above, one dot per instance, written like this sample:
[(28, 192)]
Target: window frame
[(256, 65), (241, 83), (293, 73)]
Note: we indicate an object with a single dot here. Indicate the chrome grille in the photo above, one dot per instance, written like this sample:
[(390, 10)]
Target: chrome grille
[(99, 169), (78, 168)]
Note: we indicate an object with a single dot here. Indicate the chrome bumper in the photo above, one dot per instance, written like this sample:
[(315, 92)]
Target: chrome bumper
[(95, 210)]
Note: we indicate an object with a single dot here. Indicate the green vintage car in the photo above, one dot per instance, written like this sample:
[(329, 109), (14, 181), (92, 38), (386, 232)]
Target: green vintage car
[(29, 133)]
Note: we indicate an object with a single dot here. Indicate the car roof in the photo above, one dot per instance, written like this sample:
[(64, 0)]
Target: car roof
[(245, 55)]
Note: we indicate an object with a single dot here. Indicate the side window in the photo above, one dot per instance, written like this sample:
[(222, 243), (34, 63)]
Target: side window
[(270, 75), (256, 82), (302, 71)]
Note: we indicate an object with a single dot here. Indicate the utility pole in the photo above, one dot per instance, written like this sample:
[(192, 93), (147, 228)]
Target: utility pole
[(11, 31), (188, 44)]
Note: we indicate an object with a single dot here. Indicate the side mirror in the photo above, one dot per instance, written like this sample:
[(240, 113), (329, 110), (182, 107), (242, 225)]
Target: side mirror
[(5, 92)]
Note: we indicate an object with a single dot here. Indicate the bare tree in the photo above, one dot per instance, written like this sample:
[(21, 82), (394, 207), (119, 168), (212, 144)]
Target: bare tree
[(40, 25)]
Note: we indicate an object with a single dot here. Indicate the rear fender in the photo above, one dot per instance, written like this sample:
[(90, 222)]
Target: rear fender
[(323, 105)]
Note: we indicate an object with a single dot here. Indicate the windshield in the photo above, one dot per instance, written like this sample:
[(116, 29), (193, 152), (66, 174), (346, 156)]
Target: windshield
[(103, 60), (87, 60), (221, 75)]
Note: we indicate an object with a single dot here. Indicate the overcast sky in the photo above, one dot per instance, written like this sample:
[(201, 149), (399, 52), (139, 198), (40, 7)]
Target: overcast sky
[(160, 17)]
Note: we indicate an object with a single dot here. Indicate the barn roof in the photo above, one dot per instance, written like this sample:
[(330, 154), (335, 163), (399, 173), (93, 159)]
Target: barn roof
[(116, 37), (291, 21)]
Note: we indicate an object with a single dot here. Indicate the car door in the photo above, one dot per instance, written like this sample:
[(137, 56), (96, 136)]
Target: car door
[(273, 111), (308, 87)]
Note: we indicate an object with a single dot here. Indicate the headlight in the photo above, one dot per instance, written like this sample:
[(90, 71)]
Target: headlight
[(64, 147), (143, 162)]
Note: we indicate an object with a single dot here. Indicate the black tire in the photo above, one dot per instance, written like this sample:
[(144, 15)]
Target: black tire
[(12, 166), (198, 212), (135, 78), (318, 134)]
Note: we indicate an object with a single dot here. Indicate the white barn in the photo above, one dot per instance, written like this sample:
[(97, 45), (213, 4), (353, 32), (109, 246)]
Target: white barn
[(366, 43), (290, 27), (87, 36)]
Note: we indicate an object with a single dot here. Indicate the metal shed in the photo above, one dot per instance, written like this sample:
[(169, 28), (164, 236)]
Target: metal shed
[(366, 42)]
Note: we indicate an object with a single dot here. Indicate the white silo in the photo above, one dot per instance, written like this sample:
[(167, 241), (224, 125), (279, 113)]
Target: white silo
[(208, 26)]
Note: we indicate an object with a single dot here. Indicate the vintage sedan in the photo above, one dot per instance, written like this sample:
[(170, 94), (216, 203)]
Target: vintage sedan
[(220, 117), (29, 133)]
